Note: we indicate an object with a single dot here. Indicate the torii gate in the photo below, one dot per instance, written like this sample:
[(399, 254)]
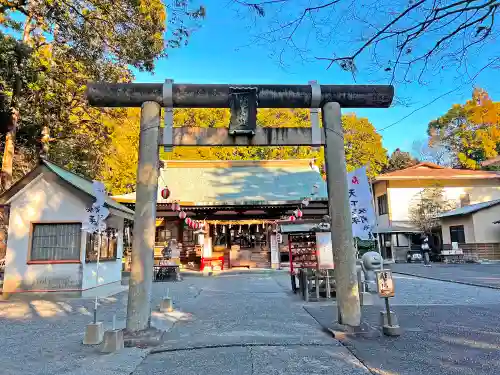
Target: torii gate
[(243, 101)]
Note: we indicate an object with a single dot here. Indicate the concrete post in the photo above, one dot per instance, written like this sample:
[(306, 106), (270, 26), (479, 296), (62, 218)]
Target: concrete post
[(141, 273), (338, 206)]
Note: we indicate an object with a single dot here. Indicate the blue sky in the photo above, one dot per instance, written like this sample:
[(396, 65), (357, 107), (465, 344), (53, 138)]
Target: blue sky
[(219, 52)]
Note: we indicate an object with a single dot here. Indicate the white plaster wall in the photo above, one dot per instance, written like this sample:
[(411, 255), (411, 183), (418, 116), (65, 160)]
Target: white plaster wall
[(380, 188), (466, 221), (484, 229), (109, 271), (400, 198), (40, 201), (45, 199)]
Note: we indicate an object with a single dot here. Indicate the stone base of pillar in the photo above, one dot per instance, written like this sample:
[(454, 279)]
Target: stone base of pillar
[(166, 305), (94, 333), (113, 341)]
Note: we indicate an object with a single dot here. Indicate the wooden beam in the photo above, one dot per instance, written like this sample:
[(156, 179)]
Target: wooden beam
[(188, 136)]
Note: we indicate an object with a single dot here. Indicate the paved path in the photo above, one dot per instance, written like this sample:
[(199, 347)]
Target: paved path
[(253, 324), (473, 274), (447, 329), (247, 325)]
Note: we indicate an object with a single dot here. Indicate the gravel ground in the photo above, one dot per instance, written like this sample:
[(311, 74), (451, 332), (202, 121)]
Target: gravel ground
[(447, 329), (254, 324)]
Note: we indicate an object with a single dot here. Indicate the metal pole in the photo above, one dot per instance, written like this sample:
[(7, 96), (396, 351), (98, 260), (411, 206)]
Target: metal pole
[(99, 243), (141, 275), (388, 310), (341, 227), (219, 95)]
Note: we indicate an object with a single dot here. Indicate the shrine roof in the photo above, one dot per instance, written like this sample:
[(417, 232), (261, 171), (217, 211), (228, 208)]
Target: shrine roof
[(245, 182)]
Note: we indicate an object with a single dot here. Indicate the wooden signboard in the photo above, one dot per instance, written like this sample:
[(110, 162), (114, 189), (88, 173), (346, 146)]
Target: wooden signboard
[(385, 284)]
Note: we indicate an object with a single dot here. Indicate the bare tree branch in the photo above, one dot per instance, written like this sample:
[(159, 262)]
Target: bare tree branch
[(423, 35)]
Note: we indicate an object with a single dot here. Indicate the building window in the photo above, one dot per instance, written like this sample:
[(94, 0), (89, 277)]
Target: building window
[(464, 199), (109, 246), (56, 242), (457, 234), (382, 204), (402, 240)]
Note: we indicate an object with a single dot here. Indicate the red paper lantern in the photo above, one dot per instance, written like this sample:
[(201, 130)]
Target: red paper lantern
[(196, 225), (188, 221), (298, 213), (292, 218), (165, 193), (182, 215)]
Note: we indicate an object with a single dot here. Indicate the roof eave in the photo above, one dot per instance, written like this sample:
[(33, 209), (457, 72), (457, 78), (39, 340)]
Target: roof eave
[(467, 177)]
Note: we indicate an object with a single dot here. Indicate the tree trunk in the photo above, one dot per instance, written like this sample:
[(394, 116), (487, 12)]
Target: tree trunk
[(8, 153)]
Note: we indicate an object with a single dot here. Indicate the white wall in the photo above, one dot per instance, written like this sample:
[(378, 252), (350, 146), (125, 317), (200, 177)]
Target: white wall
[(45, 199), (484, 229), (400, 198), (40, 201), (109, 271), (380, 188), (466, 221)]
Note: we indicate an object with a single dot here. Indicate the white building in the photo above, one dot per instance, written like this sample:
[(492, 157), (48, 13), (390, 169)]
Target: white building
[(474, 228), (47, 251), (395, 191)]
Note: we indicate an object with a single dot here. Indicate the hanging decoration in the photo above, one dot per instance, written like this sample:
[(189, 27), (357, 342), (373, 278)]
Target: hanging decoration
[(297, 213), (292, 218), (165, 192), (176, 207)]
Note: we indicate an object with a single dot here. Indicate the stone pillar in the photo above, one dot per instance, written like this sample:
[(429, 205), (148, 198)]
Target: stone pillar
[(341, 227), (141, 273)]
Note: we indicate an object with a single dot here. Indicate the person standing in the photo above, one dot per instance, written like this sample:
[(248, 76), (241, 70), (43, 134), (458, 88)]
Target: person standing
[(426, 251)]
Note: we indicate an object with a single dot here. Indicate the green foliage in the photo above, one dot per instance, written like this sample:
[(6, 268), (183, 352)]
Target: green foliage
[(470, 131), (399, 160), (363, 144), (55, 47)]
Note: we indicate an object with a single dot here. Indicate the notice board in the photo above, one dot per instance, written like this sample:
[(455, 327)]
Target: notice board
[(324, 248)]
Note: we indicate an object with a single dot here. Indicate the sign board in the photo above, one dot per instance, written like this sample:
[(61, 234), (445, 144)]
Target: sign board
[(385, 284), (324, 248), (207, 247), (361, 204), (275, 254)]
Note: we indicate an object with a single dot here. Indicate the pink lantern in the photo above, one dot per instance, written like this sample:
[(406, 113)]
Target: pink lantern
[(182, 215), (177, 206), (196, 225), (292, 218), (188, 221), (298, 213)]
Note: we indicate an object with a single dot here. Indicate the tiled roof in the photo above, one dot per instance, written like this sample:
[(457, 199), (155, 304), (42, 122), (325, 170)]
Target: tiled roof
[(206, 183), (83, 184), (434, 171), (470, 209)]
